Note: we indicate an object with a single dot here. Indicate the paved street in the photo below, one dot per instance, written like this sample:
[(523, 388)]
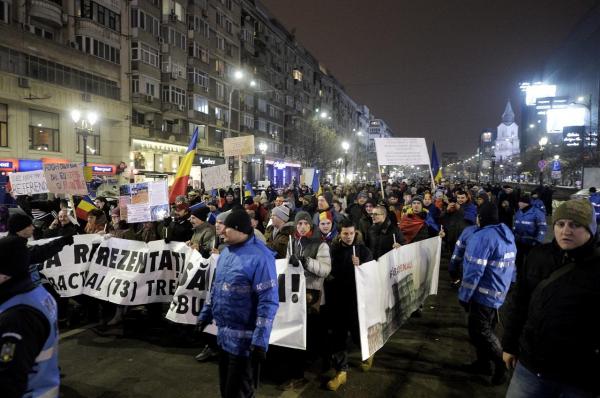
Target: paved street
[(421, 360)]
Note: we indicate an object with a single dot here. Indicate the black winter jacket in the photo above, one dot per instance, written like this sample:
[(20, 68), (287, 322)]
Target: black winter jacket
[(555, 330), (380, 238)]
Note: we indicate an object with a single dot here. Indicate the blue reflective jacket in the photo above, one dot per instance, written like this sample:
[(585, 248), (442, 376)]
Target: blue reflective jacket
[(459, 249), (595, 201), (539, 204), (530, 226), (488, 266), (44, 377), (244, 297)]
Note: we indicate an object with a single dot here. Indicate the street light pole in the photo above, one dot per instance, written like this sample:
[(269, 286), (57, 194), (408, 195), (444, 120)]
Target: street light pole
[(345, 146), (493, 157), (543, 141), (85, 126)]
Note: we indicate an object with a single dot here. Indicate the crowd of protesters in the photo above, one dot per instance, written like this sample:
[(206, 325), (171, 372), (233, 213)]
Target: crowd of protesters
[(493, 235)]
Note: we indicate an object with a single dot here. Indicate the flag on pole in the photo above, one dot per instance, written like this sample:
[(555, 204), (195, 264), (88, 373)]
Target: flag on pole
[(316, 184), (248, 191), (436, 170), (180, 184), (84, 207)]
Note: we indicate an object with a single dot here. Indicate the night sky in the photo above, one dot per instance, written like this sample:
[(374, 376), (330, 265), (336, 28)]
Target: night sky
[(440, 69)]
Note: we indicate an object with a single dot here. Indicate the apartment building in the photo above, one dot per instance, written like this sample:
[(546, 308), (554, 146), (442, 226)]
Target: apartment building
[(55, 57)]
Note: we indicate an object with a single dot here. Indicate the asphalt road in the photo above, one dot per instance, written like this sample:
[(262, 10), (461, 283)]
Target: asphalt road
[(421, 360)]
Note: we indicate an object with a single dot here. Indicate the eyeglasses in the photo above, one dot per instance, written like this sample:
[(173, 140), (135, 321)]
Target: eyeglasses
[(378, 214)]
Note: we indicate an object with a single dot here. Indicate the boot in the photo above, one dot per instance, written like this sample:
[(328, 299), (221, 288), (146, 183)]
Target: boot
[(206, 354), (337, 381), (367, 364)]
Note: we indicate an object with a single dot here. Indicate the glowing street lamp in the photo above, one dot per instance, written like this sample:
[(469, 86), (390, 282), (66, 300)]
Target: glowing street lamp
[(85, 126)]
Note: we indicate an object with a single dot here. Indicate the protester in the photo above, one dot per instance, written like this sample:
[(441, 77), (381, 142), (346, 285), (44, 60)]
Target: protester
[(96, 222), (383, 236), (259, 235), (551, 336), (28, 315), (279, 232), (243, 303), (203, 238), (414, 224), (120, 228), (327, 231), (61, 226), (324, 204), (178, 228), (310, 253), (488, 268), (366, 220), (355, 210), (347, 251)]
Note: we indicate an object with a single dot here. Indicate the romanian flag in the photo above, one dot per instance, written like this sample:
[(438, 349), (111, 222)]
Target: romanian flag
[(180, 184), (248, 191), (84, 207), (436, 169), (316, 184)]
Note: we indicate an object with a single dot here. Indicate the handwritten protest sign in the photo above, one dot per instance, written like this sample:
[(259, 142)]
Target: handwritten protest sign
[(238, 146), (216, 177), (65, 178), (28, 182)]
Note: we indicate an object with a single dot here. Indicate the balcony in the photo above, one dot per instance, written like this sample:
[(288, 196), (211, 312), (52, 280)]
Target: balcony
[(86, 27), (199, 116), (175, 108), (47, 11)]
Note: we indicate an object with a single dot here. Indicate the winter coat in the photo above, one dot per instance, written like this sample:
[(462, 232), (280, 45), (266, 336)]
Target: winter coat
[(555, 330), (61, 230), (469, 211), (317, 264), (459, 251), (454, 223), (244, 297), (530, 226), (380, 238), (595, 201), (280, 241), (355, 213), (204, 237), (539, 204), (178, 230), (488, 266)]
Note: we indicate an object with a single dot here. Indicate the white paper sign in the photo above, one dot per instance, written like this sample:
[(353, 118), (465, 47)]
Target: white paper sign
[(238, 146), (28, 182), (216, 177), (401, 151)]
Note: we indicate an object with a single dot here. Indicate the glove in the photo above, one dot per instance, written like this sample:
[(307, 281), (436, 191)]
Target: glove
[(294, 260), (465, 305), (67, 240), (202, 325), (257, 354)]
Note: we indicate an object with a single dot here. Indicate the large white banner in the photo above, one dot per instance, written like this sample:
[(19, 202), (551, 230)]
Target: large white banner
[(128, 272), (401, 151), (390, 289)]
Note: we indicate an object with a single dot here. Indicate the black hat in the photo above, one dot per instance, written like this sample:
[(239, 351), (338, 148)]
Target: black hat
[(14, 257), (201, 212), (18, 222), (525, 198), (487, 214), (240, 221)]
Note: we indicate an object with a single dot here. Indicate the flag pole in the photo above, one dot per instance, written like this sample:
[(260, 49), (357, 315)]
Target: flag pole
[(241, 181)]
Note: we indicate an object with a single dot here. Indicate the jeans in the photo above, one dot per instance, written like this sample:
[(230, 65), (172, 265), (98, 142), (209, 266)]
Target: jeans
[(526, 384), (235, 376)]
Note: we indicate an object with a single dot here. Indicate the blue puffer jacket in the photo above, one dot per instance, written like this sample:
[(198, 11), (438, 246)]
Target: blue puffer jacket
[(530, 226), (595, 200), (244, 297), (470, 212), (539, 204), (488, 266), (459, 249)]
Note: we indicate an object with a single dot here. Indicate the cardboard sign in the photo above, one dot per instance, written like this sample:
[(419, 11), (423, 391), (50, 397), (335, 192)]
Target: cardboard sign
[(239, 146), (65, 178), (216, 177), (28, 182)]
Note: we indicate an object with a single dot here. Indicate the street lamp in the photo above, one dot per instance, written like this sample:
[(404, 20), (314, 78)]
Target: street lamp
[(543, 142), (345, 147), (85, 126), (493, 158), (263, 149)]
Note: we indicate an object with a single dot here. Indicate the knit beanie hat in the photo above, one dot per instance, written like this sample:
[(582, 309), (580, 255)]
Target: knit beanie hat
[(362, 195), (326, 215), (417, 198), (488, 214), (577, 210), (483, 196), (303, 215), (282, 212), (201, 213), (18, 222), (222, 216), (525, 198), (240, 221)]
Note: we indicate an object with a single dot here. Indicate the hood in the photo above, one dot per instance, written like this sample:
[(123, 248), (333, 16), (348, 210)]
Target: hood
[(503, 232)]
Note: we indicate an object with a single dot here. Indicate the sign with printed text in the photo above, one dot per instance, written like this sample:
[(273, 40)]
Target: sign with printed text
[(28, 182), (238, 146), (216, 177), (144, 201), (401, 151), (65, 178)]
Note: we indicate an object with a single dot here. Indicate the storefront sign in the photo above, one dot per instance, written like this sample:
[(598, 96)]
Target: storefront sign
[(204, 160), (8, 165), (102, 168)]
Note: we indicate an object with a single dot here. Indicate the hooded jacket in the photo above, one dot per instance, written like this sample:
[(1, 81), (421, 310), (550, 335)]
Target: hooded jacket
[(244, 297), (488, 266)]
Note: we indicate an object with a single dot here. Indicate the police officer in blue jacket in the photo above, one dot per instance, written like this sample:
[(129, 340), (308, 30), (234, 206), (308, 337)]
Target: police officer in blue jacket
[(537, 202), (455, 266), (488, 266), (530, 228), (28, 317), (595, 201), (243, 302)]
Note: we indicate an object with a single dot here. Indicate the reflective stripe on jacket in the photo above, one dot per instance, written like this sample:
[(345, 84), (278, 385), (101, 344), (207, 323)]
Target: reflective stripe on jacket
[(530, 226)]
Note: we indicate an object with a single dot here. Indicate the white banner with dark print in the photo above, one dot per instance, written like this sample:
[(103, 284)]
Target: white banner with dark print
[(390, 289)]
